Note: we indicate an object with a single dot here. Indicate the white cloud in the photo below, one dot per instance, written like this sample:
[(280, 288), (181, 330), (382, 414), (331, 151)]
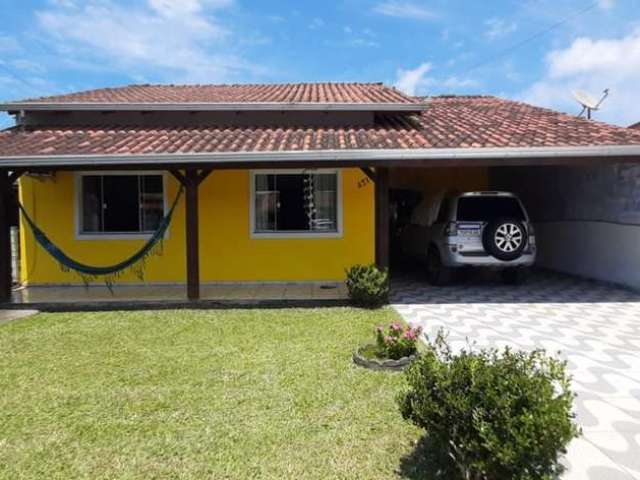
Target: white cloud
[(357, 38), (497, 28), (185, 8), (456, 83), (606, 4), (408, 81), (417, 81), (593, 65), (182, 40), (404, 9)]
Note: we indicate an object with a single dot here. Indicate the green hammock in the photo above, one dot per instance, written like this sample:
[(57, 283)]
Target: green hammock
[(110, 274)]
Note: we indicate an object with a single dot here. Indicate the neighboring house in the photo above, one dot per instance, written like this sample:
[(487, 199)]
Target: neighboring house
[(282, 182)]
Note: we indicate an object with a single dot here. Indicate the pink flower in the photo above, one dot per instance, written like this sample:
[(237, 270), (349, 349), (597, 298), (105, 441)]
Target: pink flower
[(410, 334), (389, 339), (396, 327), (380, 328)]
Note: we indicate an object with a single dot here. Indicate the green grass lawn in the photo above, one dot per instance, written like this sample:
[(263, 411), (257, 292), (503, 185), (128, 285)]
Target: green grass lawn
[(197, 394)]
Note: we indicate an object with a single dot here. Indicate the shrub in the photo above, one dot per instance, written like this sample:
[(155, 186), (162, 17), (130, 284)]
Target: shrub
[(496, 414), (368, 286), (396, 341)]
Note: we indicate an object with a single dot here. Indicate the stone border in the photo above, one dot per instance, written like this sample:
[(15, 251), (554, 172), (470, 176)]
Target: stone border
[(388, 364)]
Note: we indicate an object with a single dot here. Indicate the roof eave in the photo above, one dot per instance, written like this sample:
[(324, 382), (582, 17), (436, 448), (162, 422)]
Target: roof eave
[(192, 106), (546, 155)]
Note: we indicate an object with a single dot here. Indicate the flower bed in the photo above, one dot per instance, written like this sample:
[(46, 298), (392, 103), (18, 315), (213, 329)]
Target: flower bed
[(395, 348)]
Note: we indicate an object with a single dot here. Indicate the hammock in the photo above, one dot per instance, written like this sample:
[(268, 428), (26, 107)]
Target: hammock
[(110, 274)]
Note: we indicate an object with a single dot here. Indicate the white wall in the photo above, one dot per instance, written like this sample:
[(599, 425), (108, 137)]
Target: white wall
[(587, 218), (604, 251)]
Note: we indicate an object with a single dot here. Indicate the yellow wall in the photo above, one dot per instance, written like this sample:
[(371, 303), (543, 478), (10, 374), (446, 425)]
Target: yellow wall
[(227, 252)]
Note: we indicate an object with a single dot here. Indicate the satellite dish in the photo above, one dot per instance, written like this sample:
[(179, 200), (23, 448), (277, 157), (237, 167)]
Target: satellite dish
[(588, 103)]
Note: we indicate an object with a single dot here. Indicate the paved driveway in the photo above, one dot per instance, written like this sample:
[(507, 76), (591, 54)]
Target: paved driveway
[(596, 327)]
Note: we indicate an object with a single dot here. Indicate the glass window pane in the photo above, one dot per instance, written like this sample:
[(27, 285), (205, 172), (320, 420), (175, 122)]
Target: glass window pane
[(120, 203), (292, 205), (325, 202), (266, 203), (296, 202), (151, 202), (488, 209), (91, 203)]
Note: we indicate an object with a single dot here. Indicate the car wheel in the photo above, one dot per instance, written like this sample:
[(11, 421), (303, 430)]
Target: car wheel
[(514, 276), (437, 273), (505, 239)]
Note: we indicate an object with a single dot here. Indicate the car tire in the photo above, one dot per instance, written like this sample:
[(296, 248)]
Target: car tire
[(514, 276), (505, 239), (438, 274)]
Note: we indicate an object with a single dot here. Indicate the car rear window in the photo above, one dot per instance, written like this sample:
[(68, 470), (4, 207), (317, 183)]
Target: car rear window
[(487, 209)]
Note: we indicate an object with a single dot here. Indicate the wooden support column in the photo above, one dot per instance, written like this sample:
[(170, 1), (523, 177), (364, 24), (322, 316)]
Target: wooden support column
[(382, 216), (191, 233), (191, 179), (5, 238)]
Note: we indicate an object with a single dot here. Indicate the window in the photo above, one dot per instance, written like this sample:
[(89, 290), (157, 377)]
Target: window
[(120, 203), (487, 209), (296, 203)]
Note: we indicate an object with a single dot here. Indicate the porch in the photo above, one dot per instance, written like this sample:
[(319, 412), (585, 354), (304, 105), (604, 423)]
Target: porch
[(98, 297)]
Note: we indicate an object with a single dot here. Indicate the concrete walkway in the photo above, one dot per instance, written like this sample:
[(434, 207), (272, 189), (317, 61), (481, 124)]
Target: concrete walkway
[(166, 293), (7, 316), (596, 327)]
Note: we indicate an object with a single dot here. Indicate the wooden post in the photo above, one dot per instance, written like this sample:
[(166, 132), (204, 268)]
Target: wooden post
[(191, 232), (382, 217), (5, 238)]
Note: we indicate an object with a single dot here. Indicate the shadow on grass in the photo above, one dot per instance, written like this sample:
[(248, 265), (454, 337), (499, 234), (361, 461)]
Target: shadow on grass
[(427, 461)]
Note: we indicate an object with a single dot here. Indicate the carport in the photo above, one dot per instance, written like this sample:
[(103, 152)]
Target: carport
[(578, 179), (583, 208)]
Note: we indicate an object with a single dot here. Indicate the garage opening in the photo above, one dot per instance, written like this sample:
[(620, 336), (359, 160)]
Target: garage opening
[(585, 219)]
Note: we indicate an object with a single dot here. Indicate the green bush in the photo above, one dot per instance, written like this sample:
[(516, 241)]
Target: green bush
[(368, 286), (496, 414)]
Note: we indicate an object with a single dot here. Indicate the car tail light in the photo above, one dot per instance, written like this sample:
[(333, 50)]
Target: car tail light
[(452, 229)]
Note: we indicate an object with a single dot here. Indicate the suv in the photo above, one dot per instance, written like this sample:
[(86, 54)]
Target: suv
[(475, 229)]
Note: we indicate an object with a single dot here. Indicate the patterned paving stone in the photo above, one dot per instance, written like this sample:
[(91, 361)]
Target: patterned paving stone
[(594, 326)]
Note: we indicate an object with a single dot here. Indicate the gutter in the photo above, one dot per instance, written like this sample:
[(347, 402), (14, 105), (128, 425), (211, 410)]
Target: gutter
[(213, 107), (388, 157)]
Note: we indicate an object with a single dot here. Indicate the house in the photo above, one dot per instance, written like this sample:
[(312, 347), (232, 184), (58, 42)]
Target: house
[(281, 182), (635, 125)]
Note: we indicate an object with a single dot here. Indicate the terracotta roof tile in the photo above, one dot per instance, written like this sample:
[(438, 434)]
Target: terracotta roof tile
[(448, 122), (357, 93)]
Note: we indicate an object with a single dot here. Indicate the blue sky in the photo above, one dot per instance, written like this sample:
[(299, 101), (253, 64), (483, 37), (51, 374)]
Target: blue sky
[(532, 50)]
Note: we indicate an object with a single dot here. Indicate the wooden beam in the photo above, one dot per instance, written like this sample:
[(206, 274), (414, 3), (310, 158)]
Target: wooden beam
[(382, 217), (5, 238), (179, 176), (368, 171), (203, 174), (15, 175), (191, 233)]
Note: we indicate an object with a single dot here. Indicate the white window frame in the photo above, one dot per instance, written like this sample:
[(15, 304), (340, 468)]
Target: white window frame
[(302, 234), (80, 235)]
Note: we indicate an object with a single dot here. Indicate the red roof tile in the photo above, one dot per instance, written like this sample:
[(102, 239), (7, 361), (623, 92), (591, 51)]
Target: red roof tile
[(448, 122), (484, 121), (351, 93)]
